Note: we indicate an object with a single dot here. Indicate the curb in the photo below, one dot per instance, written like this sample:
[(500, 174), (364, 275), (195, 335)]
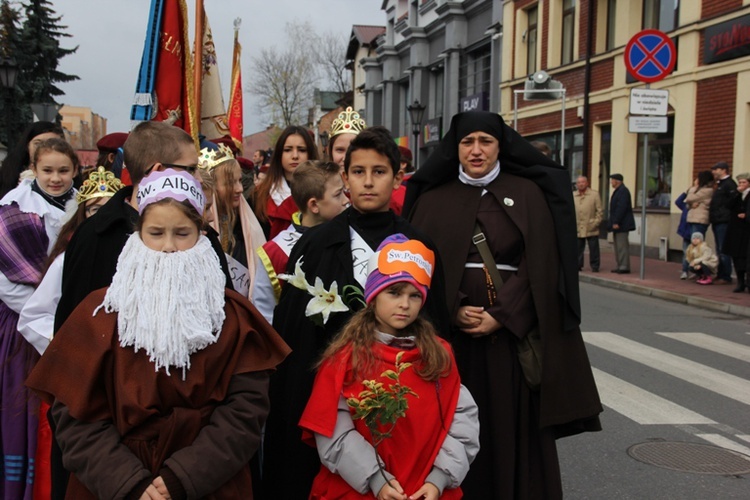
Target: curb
[(711, 305)]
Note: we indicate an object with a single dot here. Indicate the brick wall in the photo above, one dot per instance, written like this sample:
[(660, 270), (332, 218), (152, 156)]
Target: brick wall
[(602, 74), (714, 122), (583, 9), (710, 8)]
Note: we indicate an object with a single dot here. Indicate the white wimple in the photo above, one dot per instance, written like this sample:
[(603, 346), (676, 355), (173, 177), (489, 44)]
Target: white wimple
[(170, 304)]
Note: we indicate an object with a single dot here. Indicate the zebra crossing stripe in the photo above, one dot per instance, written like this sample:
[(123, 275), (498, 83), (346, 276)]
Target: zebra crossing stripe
[(641, 406), (695, 373), (724, 442), (710, 343)]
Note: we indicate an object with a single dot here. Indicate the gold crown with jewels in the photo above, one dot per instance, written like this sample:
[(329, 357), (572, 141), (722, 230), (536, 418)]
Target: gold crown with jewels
[(209, 159), (100, 184), (348, 122)]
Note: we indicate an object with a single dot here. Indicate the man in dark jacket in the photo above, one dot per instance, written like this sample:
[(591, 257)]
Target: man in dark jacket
[(621, 222), (719, 215)]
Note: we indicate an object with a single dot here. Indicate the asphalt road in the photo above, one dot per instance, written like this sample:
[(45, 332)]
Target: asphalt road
[(675, 383)]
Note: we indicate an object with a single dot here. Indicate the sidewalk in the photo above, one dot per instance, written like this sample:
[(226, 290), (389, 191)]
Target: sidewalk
[(662, 280)]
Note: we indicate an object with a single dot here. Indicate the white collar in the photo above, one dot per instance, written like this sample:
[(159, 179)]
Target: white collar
[(482, 181), (281, 192)]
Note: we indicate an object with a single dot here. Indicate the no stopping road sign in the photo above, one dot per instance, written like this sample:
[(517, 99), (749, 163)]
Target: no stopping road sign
[(650, 56)]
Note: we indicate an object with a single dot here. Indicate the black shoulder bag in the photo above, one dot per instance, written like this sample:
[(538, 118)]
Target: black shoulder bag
[(528, 348)]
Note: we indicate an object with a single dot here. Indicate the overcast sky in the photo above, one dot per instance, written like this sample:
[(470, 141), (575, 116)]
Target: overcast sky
[(110, 36)]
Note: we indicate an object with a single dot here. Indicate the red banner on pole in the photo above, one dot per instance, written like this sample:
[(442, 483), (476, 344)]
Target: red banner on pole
[(234, 112)]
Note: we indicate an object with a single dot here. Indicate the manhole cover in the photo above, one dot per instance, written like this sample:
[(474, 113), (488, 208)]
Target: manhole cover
[(691, 457)]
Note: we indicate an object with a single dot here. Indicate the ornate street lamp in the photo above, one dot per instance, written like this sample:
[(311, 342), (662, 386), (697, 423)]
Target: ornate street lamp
[(8, 75), (416, 113)]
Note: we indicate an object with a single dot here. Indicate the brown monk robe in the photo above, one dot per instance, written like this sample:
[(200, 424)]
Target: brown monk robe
[(121, 424)]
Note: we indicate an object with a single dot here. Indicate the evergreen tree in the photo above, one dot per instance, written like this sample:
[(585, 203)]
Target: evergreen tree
[(9, 43), (40, 41)]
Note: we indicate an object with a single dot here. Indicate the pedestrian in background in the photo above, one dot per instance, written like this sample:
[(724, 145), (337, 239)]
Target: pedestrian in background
[(738, 233), (683, 229), (20, 157), (720, 214), (588, 218), (703, 260), (621, 222), (698, 200)]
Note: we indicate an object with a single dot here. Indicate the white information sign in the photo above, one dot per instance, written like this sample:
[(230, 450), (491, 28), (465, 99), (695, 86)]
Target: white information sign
[(647, 124), (649, 102)]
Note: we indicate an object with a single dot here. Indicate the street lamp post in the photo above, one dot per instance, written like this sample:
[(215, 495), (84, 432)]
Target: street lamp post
[(416, 113), (8, 75), (324, 140)]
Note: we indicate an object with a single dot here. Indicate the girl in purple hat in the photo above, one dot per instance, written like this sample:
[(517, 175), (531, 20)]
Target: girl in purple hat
[(163, 375), (427, 452)]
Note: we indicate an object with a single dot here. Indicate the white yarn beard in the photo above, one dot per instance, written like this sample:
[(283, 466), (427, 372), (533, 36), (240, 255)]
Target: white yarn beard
[(169, 304)]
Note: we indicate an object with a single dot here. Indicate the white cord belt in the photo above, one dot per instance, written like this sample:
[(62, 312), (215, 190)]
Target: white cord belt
[(479, 265)]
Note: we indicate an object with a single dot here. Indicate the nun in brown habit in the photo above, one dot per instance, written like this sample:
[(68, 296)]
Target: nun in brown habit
[(486, 173)]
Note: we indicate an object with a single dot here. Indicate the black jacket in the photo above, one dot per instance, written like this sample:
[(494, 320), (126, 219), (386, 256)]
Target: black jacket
[(621, 210), (720, 211), (91, 256)]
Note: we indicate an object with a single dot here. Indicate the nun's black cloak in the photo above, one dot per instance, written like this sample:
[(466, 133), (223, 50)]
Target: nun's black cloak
[(529, 220)]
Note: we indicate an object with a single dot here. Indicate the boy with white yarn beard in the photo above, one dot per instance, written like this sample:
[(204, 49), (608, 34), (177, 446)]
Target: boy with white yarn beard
[(109, 369)]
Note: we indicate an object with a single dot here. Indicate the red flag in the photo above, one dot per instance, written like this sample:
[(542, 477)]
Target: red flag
[(173, 87), (234, 112)]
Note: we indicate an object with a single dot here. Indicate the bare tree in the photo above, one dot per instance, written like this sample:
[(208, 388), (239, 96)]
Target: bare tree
[(284, 79), (331, 60)]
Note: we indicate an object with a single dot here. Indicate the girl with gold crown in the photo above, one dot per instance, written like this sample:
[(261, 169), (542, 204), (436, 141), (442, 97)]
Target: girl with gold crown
[(347, 125), (158, 383), (30, 220), (273, 196), (231, 217), (36, 322)]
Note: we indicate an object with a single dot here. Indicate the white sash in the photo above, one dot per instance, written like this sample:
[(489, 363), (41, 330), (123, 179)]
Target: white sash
[(240, 275), (361, 253)]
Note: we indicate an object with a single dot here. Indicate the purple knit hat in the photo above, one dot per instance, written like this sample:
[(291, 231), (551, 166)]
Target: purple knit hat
[(170, 183), (397, 260)]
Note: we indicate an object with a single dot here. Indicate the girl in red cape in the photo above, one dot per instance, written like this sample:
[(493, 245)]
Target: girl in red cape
[(430, 449)]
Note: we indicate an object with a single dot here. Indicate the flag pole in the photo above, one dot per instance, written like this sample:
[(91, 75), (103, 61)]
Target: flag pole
[(198, 59)]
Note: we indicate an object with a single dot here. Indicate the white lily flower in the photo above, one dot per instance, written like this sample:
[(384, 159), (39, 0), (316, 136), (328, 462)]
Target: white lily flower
[(297, 280), (324, 302)]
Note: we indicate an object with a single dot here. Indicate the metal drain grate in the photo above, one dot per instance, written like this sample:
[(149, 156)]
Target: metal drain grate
[(691, 457)]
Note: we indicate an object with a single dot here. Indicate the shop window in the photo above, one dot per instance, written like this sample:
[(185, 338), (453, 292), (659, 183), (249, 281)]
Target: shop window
[(662, 15), (573, 160), (531, 36), (568, 31), (658, 171)]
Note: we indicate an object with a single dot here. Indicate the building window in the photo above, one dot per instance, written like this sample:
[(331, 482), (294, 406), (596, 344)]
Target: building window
[(568, 30), (659, 171), (438, 88), (662, 15), (531, 34), (611, 24), (573, 160), (474, 72)]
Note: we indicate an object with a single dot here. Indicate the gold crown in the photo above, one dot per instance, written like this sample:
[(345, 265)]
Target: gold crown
[(100, 184), (348, 122), (209, 159)]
